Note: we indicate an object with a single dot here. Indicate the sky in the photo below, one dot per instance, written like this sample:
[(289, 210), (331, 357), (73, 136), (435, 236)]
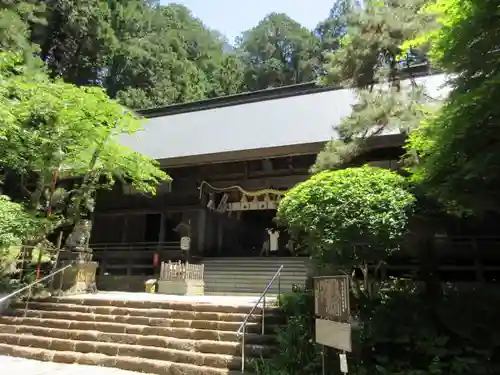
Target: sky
[(231, 17)]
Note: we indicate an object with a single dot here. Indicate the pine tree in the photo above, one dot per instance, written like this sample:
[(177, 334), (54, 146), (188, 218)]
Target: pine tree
[(371, 61)]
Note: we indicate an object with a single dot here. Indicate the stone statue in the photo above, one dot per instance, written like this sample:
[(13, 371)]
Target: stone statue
[(78, 240)]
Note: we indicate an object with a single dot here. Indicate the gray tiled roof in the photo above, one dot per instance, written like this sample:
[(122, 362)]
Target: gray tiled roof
[(290, 121)]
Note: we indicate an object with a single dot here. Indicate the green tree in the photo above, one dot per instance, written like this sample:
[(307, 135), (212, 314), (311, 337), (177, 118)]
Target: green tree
[(456, 150), (334, 27), (144, 54), (16, 20), (151, 65), (166, 56), (49, 125), (278, 52), (17, 225), (78, 40), (352, 217), (370, 61)]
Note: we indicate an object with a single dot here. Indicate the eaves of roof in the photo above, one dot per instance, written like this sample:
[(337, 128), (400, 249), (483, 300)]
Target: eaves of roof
[(283, 121)]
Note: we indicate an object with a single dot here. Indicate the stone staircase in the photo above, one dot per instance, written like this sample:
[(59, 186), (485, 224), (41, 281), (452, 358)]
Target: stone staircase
[(154, 337), (250, 276)]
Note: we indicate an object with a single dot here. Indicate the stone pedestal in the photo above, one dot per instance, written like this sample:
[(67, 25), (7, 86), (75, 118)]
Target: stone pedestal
[(182, 287), (79, 278)]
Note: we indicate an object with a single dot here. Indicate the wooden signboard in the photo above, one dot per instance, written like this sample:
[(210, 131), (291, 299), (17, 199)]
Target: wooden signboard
[(331, 298), (331, 306)]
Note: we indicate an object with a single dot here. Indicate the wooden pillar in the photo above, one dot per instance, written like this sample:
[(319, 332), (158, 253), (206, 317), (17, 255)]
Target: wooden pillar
[(201, 228), (161, 235)]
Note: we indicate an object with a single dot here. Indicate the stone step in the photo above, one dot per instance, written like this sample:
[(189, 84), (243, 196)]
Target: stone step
[(149, 304), (138, 312), (255, 285), (255, 280), (223, 361), (214, 292), (258, 270), (82, 320), (243, 275), (198, 346), (266, 260), (150, 366), (247, 288), (185, 331), (257, 265)]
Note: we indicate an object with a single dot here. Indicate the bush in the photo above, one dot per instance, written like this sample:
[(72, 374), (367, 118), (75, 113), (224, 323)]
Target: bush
[(17, 225), (401, 334), (298, 352), (333, 210)]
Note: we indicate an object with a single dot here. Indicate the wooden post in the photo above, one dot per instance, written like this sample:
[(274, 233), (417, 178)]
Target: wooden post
[(201, 227), (39, 263)]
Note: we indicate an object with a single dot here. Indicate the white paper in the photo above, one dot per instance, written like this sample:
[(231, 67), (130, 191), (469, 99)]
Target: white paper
[(343, 363)]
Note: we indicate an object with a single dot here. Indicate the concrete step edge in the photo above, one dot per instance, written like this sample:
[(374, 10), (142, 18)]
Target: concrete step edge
[(197, 346), (255, 278), (149, 313), (253, 267), (250, 274), (87, 317), (156, 367), (114, 349), (116, 302), (209, 332)]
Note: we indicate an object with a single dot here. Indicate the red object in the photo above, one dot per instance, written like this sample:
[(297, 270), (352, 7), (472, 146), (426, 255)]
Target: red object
[(156, 259), (39, 264)]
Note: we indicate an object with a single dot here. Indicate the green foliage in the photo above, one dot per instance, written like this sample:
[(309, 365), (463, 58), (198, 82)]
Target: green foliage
[(399, 333), (148, 55), (16, 18), (456, 150), (52, 124), (165, 55), (78, 40), (331, 31), (457, 336), (143, 54), (17, 225), (334, 210), (49, 125), (370, 59), (277, 52), (301, 354)]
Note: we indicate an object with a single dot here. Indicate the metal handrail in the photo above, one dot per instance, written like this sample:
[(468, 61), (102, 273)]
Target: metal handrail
[(241, 332), (28, 287)]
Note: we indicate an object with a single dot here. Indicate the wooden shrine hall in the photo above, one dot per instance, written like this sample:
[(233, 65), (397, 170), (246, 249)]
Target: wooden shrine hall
[(231, 160)]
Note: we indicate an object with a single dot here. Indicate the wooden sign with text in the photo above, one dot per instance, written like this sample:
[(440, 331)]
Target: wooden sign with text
[(332, 309), (331, 298)]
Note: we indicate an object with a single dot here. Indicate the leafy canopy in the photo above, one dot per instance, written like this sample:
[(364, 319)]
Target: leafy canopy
[(335, 210), (277, 52), (17, 225), (458, 150), (371, 61), (47, 124)]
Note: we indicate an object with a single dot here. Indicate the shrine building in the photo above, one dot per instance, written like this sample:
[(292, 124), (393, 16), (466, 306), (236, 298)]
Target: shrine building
[(231, 160)]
